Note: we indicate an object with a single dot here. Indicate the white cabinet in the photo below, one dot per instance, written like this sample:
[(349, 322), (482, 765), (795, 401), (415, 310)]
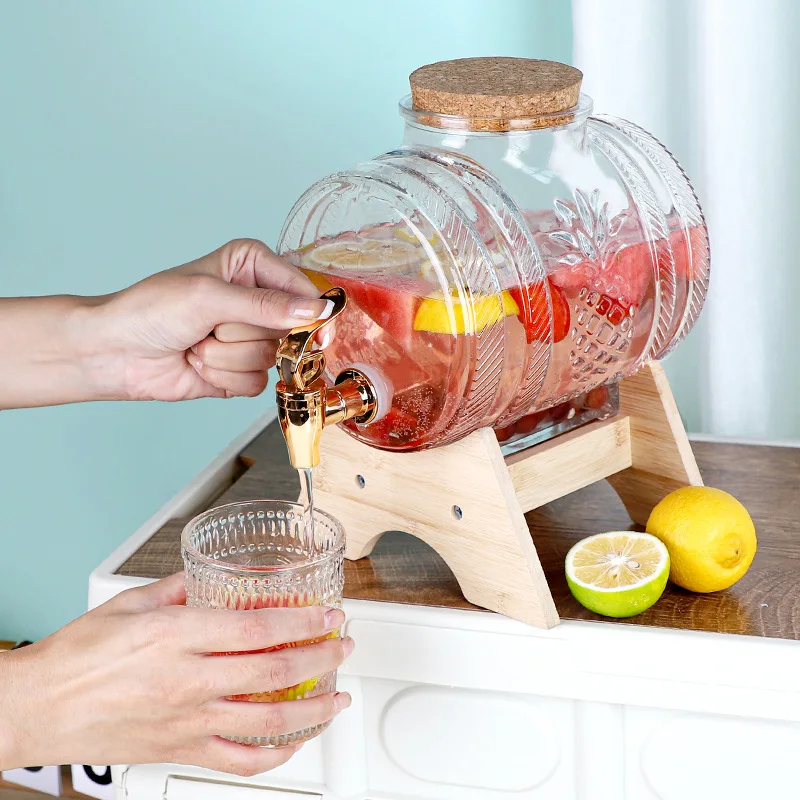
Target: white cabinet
[(459, 704), (447, 743), (473, 706), (678, 756)]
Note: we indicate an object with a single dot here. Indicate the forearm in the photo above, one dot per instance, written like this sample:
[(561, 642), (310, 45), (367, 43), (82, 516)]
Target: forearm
[(14, 741), (48, 352)]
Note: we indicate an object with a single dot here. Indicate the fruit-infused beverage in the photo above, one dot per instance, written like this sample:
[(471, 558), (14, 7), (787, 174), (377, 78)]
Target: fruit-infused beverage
[(236, 600), (257, 554), (596, 317)]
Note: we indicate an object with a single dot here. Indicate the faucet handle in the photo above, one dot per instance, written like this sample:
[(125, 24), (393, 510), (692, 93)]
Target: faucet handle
[(300, 361)]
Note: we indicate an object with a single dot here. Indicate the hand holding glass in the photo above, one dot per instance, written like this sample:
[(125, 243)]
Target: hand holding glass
[(255, 555)]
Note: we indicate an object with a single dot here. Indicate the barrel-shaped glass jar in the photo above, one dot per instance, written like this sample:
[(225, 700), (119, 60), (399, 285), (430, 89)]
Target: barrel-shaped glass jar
[(506, 279)]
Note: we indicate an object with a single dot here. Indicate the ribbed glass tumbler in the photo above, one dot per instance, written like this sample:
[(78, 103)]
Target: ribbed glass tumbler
[(261, 554)]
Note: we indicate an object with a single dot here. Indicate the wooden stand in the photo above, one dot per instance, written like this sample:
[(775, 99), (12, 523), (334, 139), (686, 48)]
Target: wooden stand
[(468, 502)]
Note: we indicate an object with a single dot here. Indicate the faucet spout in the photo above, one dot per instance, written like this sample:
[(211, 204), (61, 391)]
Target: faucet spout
[(306, 404)]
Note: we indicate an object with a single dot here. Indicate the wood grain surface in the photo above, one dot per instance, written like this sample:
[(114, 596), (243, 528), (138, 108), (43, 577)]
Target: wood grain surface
[(401, 569)]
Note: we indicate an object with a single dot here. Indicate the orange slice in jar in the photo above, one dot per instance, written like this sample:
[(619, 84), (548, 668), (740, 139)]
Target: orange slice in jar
[(318, 279), (436, 315)]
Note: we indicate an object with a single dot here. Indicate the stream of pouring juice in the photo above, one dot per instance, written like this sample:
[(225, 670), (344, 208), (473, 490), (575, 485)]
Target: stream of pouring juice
[(307, 500)]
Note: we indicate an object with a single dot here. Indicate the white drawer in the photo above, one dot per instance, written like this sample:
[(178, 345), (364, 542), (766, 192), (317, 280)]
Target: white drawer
[(186, 789), (445, 743), (675, 756), (302, 776)]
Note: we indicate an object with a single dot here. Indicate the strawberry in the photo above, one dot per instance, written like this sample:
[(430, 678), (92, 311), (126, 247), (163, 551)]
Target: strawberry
[(504, 434), (613, 310), (532, 303), (530, 422), (596, 398), (397, 427)]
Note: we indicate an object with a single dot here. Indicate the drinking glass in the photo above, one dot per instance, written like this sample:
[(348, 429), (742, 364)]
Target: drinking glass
[(261, 554)]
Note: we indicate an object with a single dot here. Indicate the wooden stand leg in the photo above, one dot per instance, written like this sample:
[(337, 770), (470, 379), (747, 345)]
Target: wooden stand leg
[(458, 499), (661, 455)]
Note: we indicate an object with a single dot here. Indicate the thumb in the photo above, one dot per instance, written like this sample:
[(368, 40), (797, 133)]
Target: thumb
[(267, 308), (169, 591)]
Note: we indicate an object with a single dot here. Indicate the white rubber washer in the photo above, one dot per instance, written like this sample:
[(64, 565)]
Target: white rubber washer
[(384, 390)]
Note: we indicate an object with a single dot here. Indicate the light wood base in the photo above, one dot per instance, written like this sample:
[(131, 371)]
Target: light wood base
[(468, 502), (661, 455)]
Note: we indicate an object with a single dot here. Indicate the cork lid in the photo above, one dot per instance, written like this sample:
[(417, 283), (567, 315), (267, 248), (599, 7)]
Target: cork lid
[(496, 94)]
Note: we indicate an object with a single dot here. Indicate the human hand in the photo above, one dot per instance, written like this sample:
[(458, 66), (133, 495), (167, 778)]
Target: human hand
[(209, 328), (133, 682)]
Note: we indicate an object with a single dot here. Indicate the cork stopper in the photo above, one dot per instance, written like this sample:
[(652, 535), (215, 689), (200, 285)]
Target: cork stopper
[(496, 94)]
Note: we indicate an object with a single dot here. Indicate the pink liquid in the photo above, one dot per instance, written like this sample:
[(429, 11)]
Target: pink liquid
[(602, 318)]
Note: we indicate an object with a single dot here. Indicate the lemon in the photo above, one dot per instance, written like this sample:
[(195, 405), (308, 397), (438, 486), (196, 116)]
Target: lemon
[(618, 574), (409, 236), (710, 537), (297, 692), (367, 254), (435, 315)]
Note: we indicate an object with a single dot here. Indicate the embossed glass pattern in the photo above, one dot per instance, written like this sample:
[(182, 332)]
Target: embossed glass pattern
[(504, 279), (256, 555)]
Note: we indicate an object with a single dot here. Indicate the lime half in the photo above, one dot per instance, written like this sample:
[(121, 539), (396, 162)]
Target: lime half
[(618, 574)]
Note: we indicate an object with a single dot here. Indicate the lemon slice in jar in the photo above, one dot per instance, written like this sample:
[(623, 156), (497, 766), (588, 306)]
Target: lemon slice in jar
[(364, 255), (434, 315), (410, 236)]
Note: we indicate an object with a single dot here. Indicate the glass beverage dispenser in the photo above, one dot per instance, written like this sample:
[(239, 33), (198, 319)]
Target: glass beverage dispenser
[(504, 267)]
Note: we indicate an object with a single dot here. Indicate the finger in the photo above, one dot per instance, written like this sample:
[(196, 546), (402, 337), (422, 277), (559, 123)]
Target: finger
[(170, 591), (214, 630), (237, 356), (236, 759), (221, 302), (234, 384), (249, 262), (270, 270), (238, 332), (267, 672), (242, 718)]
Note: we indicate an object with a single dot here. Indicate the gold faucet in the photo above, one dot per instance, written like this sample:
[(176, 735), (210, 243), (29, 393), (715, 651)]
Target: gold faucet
[(306, 404)]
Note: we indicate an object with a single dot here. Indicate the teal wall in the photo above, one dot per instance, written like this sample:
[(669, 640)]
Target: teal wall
[(138, 134)]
